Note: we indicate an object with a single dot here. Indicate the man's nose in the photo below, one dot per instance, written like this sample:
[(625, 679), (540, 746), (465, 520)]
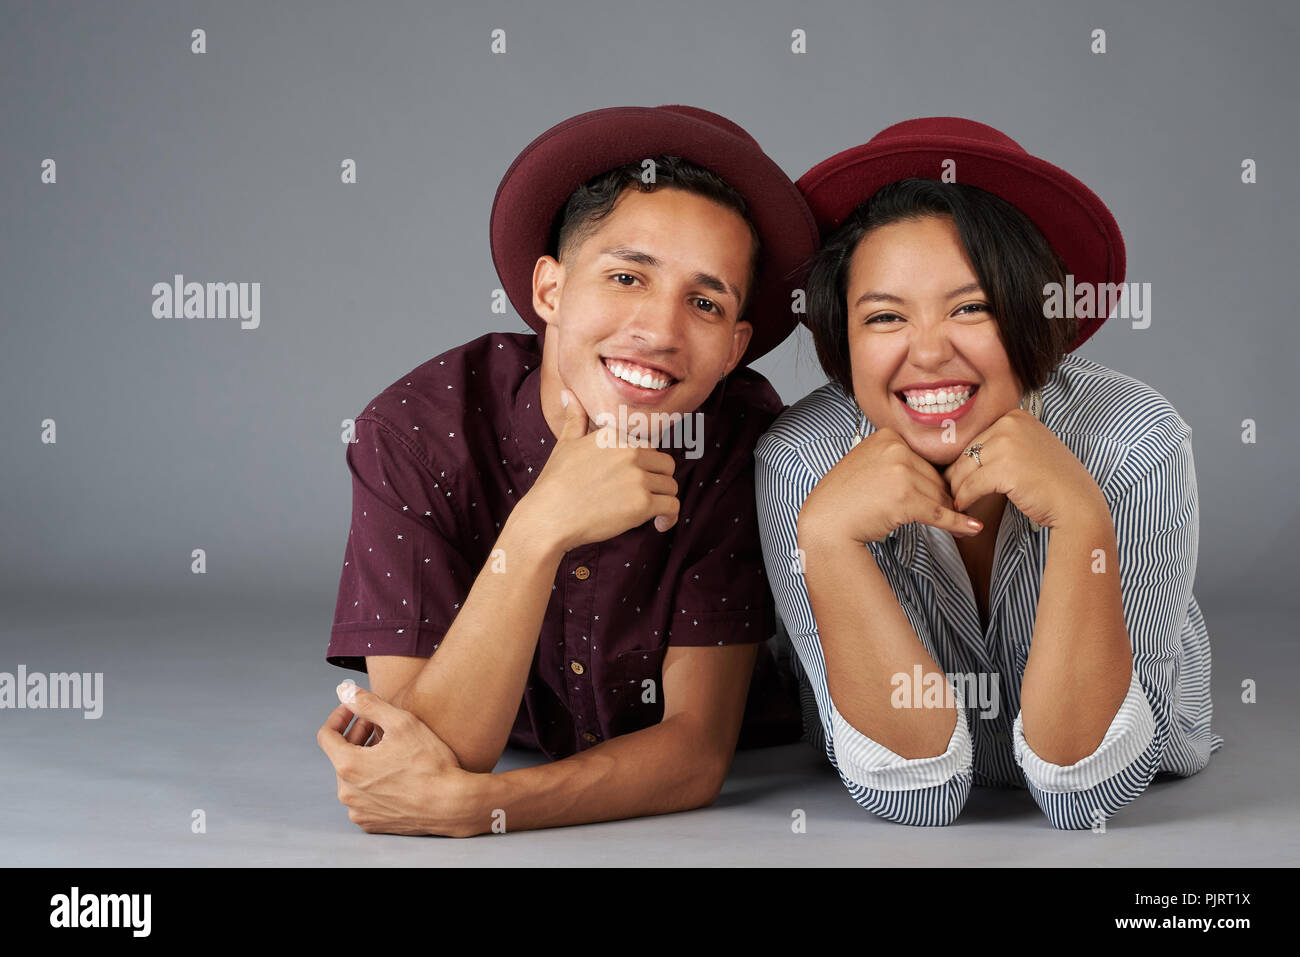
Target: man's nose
[(659, 320)]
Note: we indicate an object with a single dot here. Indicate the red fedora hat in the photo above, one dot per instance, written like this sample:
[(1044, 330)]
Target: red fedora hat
[(1074, 221), (537, 184)]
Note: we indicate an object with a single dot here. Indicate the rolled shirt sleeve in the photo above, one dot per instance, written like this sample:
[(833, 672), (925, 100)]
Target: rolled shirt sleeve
[(1156, 520), (404, 574), (919, 791)]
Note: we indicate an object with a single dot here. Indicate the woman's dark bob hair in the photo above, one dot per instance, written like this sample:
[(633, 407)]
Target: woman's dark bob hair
[(1012, 261)]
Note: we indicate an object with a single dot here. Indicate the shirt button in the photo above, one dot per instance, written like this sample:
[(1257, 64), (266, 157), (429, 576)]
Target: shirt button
[(576, 667), (590, 738), (582, 573)]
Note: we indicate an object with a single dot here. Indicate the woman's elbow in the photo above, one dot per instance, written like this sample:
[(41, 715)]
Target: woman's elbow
[(936, 806)]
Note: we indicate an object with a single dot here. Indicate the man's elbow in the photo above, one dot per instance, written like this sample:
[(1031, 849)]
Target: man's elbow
[(475, 757), (704, 785), (477, 763), (707, 764)]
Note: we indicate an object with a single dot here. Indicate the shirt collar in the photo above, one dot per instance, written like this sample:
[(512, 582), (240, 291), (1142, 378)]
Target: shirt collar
[(532, 436)]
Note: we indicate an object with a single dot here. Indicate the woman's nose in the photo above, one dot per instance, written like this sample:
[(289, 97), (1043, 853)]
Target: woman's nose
[(929, 342)]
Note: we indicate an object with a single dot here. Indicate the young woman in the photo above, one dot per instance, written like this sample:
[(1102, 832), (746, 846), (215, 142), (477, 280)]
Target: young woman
[(981, 544)]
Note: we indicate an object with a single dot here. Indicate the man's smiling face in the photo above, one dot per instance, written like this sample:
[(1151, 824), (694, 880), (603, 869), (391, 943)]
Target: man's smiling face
[(642, 313)]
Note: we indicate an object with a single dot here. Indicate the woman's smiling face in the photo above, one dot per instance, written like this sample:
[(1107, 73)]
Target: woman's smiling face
[(919, 321)]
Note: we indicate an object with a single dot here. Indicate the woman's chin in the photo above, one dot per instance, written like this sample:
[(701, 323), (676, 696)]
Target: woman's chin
[(938, 453)]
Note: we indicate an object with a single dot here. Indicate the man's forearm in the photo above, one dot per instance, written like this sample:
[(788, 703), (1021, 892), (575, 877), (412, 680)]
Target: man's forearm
[(664, 768), (469, 690), (1080, 658)]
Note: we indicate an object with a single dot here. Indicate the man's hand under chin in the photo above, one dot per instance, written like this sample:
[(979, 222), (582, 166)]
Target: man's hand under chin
[(407, 783)]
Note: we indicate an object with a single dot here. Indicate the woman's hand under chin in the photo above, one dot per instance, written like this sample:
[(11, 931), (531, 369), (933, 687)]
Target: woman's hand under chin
[(879, 485), (1023, 459)]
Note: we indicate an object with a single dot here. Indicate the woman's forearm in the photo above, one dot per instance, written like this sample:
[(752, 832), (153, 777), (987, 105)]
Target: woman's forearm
[(866, 641), (1080, 658)]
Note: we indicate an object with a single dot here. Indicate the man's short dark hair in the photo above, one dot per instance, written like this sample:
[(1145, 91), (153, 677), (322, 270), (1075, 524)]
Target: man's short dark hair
[(1011, 258), (595, 199)]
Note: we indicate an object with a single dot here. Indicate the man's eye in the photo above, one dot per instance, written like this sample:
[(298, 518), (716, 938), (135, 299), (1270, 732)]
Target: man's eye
[(620, 276), (708, 304)]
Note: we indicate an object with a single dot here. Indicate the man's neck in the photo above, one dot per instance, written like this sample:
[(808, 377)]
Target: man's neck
[(552, 410)]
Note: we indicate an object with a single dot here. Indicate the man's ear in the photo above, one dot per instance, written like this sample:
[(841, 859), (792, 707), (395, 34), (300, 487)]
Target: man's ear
[(548, 283), (740, 337)]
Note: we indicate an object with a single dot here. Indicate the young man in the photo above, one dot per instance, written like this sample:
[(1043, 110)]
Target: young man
[(535, 559)]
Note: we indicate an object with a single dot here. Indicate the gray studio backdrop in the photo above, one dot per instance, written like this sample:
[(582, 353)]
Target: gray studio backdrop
[(224, 166)]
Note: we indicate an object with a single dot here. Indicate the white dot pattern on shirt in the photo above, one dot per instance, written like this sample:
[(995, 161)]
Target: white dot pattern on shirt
[(447, 494)]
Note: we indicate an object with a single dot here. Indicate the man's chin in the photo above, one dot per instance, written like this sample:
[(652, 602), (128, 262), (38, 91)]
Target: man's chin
[(668, 405)]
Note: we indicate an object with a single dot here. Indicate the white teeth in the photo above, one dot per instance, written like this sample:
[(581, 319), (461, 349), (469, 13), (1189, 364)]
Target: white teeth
[(643, 379), (940, 401)]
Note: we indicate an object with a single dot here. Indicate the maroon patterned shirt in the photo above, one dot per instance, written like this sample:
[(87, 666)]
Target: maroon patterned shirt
[(441, 457)]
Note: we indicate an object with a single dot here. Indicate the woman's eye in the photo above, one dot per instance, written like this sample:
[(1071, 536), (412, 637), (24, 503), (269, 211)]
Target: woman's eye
[(882, 317), (972, 308)]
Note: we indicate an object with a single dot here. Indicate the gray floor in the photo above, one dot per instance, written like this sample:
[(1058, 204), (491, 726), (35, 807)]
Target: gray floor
[(216, 706)]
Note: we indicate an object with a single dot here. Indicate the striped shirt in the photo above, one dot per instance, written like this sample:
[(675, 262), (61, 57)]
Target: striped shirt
[(1139, 451)]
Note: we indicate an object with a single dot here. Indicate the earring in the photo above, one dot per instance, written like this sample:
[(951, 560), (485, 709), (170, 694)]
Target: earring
[(1032, 402)]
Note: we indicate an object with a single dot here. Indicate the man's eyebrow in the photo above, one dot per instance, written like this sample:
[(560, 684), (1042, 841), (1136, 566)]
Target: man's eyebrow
[(872, 295), (717, 285), (631, 255), (707, 280)]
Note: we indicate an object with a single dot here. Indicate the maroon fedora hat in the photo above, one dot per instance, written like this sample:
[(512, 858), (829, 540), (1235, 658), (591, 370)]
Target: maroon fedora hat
[(1074, 221), (538, 183)]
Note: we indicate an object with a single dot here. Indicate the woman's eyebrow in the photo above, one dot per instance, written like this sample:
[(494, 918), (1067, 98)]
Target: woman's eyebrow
[(872, 295)]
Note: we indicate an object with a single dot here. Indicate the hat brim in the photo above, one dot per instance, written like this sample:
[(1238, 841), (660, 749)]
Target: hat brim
[(533, 192), (1075, 222)]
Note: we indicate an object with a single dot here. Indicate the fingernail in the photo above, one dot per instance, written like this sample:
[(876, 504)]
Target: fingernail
[(661, 523), (564, 398), (974, 524), (347, 690)]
